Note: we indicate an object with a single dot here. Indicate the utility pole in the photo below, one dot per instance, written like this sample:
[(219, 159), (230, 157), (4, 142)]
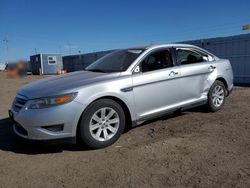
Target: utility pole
[(6, 41), (69, 47), (60, 50), (80, 58), (79, 53)]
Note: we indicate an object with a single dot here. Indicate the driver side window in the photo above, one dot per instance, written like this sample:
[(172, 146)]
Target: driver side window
[(157, 60)]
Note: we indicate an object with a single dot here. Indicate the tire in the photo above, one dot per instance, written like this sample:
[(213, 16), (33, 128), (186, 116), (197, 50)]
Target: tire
[(216, 96), (97, 129)]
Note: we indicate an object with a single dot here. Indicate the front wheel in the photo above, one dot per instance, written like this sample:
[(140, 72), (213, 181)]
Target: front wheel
[(216, 96), (102, 123)]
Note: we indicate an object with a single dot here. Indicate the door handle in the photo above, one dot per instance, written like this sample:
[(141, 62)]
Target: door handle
[(173, 73), (211, 67)]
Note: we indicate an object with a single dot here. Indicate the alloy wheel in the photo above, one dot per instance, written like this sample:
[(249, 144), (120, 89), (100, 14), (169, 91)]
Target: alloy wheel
[(104, 124), (218, 96)]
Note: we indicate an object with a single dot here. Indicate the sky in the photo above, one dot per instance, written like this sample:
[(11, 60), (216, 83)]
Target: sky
[(82, 26)]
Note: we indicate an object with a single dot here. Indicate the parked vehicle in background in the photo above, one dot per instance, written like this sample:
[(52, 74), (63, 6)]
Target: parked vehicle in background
[(121, 89), (2, 67), (17, 69)]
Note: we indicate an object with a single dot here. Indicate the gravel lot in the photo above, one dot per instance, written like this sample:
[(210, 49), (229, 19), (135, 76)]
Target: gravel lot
[(191, 149)]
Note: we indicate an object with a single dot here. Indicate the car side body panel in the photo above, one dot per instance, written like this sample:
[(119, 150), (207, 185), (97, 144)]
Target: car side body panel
[(156, 90), (193, 79), (115, 88)]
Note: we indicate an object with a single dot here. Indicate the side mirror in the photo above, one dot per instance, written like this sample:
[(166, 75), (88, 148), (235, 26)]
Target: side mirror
[(137, 69)]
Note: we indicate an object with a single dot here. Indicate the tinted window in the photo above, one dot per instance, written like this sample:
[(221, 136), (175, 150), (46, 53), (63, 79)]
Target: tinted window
[(185, 57), (118, 61), (158, 60)]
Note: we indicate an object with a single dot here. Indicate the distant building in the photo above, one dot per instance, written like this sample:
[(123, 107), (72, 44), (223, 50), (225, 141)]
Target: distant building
[(80, 62), (45, 63)]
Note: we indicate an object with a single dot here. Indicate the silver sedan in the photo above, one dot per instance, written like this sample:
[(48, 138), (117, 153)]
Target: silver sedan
[(121, 90)]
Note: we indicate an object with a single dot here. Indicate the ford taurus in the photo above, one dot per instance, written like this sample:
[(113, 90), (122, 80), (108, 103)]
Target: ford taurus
[(121, 89)]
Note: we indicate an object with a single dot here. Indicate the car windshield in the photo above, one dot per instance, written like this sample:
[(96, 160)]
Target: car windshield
[(117, 61)]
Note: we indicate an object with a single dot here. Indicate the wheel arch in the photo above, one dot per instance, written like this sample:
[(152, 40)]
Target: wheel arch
[(127, 112), (223, 80), (128, 118)]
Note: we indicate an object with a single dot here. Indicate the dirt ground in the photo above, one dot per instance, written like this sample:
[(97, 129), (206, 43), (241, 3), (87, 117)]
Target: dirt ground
[(191, 149)]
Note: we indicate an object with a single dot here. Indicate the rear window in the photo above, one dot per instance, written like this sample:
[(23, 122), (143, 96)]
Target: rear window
[(185, 56)]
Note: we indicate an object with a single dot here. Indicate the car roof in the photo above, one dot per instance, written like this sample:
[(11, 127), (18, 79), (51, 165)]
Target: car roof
[(162, 46), (170, 45), (175, 45)]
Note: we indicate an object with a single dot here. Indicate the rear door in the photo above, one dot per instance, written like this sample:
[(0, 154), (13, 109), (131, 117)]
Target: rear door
[(195, 68)]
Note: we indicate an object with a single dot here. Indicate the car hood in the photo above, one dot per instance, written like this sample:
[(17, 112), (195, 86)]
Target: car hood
[(70, 82)]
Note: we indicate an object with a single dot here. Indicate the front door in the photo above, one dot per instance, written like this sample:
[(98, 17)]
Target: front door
[(156, 84)]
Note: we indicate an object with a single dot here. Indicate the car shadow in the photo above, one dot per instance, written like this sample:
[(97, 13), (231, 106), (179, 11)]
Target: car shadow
[(200, 109), (9, 141)]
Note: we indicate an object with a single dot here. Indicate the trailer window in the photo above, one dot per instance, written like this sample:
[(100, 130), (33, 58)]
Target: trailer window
[(52, 60)]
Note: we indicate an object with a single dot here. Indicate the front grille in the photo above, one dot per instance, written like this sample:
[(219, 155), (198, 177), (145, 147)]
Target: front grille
[(19, 103), (20, 129)]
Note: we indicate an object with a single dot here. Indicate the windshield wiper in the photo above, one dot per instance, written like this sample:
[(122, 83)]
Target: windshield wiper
[(95, 70)]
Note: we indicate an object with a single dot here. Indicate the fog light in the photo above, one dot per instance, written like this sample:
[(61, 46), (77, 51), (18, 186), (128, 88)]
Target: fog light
[(54, 128)]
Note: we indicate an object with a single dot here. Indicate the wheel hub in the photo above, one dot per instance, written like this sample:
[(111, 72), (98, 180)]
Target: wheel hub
[(218, 96), (104, 124)]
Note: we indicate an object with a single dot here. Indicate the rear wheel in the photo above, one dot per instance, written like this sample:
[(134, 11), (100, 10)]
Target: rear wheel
[(102, 123), (216, 96)]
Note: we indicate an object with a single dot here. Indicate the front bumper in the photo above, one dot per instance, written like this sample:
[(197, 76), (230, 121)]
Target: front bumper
[(35, 124)]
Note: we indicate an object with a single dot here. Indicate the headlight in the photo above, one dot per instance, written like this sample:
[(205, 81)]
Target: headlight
[(52, 101)]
